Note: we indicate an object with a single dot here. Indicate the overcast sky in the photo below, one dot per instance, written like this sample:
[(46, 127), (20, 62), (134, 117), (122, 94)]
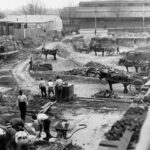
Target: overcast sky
[(14, 4)]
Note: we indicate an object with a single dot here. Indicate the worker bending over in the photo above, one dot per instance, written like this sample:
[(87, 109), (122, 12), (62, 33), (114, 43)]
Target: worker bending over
[(144, 141), (42, 122)]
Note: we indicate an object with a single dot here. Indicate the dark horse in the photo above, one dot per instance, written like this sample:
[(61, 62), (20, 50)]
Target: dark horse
[(96, 48), (114, 78), (128, 63), (49, 52)]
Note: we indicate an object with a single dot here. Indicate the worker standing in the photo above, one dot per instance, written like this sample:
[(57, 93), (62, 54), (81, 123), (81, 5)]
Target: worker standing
[(31, 64), (59, 88), (118, 50), (42, 121), (42, 86), (50, 87), (22, 103)]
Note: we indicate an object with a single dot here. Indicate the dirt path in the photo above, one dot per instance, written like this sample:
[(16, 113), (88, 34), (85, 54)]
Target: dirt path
[(25, 81)]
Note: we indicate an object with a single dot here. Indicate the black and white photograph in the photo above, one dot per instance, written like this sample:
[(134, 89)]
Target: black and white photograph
[(75, 75)]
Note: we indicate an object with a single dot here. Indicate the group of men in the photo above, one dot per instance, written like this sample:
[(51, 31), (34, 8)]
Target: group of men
[(15, 136), (51, 86)]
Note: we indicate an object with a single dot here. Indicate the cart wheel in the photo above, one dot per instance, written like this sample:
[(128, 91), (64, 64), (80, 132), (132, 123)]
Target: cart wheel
[(135, 87)]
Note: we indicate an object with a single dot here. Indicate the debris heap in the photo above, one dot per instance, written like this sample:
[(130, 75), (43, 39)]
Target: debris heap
[(133, 120)]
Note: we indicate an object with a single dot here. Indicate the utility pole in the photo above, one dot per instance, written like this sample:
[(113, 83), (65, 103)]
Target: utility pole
[(95, 21), (143, 16)]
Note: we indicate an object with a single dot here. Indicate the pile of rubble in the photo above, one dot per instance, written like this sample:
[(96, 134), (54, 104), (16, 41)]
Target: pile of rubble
[(76, 71), (133, 120), (64, 50), (95, 67), (40, 66), (105, 94)]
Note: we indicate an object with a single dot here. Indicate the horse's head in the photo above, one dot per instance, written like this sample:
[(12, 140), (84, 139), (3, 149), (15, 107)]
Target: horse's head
[(43, 49), (121, 61), (102, 74)]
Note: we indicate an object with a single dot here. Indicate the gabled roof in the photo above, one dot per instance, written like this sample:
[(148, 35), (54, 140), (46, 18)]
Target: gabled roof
[(29, 18)]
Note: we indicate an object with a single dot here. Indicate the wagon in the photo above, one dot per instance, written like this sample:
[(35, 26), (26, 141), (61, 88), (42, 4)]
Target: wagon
[(136, 83)]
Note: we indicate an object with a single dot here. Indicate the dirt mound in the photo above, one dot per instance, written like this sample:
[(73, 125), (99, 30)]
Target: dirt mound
[(93, 64), (139, 54), (64, 50), (40, 66), (105, 94), (29, 42), (77, 71), (130, 120)]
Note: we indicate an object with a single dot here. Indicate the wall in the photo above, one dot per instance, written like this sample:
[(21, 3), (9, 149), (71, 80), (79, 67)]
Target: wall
[(112, 23), (23, 33), (106, 12)]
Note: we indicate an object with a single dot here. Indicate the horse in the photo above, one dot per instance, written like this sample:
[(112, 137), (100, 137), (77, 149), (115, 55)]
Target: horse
[(49, 52), (114, 78), (128, 63), (97, 48)]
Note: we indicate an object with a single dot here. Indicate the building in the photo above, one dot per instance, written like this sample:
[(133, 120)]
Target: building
[(113, 13), (29, 25)]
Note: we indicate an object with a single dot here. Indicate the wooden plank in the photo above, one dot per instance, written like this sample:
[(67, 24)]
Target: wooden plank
[(46, 105), (109, 143), (104, 99), (3, 127), (124, 143), (28, 129)]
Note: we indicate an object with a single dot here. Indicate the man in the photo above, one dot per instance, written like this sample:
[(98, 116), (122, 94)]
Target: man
[(14, 125), (42, 86), (2, 139), (31, 64), (22, 103), (42, 121), (50, 87), (10, 139), (59, 88), (21, 140), (118, 51)]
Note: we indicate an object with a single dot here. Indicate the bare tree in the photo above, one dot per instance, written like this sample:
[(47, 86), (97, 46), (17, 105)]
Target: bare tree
[(2, 15), (35, 7)]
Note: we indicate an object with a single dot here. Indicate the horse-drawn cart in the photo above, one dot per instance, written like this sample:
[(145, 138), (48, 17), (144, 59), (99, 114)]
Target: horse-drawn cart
[(134, 82)]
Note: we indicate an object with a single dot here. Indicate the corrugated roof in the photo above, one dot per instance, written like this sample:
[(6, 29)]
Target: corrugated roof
[(30, 18)]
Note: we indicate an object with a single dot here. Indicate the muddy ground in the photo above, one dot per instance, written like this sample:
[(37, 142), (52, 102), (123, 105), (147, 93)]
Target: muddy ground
[(98, 116)]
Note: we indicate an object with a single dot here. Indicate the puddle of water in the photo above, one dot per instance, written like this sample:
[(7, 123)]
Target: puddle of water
[(97, 125)]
